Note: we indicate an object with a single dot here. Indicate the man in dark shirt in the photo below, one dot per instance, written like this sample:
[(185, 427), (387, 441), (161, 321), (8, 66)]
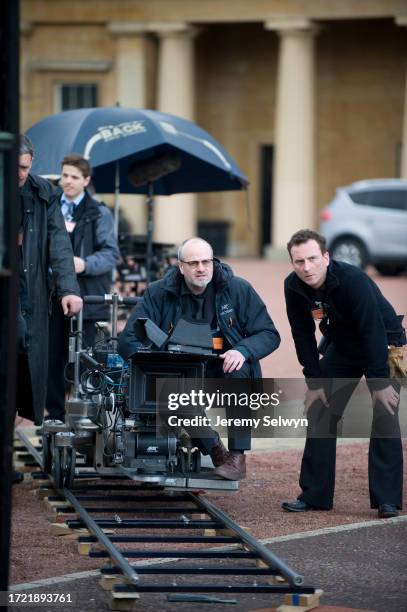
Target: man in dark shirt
[(358, 324), (204, 289)]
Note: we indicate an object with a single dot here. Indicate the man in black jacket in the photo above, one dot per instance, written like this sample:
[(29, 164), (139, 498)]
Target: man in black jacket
[(44, 243), (90, 227), (358, 324), (205, 290)]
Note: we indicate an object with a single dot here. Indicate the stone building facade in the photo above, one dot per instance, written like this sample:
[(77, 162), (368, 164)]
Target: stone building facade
[(306, 95)]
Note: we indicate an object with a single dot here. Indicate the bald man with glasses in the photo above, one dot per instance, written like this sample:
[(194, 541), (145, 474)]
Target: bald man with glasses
[(203, 289)]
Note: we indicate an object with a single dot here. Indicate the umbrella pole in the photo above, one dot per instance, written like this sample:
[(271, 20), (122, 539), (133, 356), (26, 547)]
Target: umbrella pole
[(149, 255), (116, 199)]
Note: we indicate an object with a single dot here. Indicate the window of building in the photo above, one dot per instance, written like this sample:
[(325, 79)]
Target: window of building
[(77, 95)]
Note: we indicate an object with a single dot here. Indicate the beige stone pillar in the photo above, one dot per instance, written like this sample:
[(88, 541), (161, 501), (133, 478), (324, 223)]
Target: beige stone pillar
[(130, 62), (26, 29), (131, 51), (175, 216), (401, 20), (293, 189), (403, 162)]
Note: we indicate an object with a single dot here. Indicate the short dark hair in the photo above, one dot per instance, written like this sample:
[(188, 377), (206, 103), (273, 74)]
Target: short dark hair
[(78, 161), (303, 236), (26, 146)]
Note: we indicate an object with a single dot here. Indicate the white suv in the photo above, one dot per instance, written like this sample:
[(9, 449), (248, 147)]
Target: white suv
[(366, 222)]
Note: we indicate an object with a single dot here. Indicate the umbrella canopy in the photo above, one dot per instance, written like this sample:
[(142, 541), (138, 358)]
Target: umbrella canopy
[(114, 139)]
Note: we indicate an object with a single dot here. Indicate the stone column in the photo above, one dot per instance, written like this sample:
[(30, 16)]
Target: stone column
[(401, 20), (293, 189), (175, 216), (403, 164), (26, 30), (131, 64)]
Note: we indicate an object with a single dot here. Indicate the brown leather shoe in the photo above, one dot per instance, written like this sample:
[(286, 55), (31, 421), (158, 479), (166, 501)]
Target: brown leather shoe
[(234, 467), (219, 453)]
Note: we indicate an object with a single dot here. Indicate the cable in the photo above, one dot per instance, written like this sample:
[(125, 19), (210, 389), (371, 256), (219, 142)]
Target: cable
[(94, 387)]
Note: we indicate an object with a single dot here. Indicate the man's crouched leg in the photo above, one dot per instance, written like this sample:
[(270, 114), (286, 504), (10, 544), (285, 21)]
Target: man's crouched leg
[(234, 466)]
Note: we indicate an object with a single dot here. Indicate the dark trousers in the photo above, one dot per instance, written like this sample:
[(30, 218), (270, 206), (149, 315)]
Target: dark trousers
[(317, 478), (58, 358), (237, 441), (24, 398)]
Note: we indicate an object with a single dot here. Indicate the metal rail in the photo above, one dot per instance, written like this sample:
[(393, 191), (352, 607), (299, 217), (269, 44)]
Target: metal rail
[(113, 552), (217, 520), (30, 447), (264, 553), (90, 499)]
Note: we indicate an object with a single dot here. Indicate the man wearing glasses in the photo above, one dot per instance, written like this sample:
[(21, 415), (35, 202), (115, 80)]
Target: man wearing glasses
[(202, 288)]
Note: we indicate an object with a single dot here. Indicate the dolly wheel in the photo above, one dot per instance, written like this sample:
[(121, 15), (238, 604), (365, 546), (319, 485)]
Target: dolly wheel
[(69, 466), (46, 453), (182, 461), (57, 467), (196, 461)]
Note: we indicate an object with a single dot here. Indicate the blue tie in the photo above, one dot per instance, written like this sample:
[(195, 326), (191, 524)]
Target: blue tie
[(70, 207)]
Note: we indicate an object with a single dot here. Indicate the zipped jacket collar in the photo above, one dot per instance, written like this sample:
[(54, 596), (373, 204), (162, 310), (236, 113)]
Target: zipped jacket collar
[(331, 282), (41, 186)]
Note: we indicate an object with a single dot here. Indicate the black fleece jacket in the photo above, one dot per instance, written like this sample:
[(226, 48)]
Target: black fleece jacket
[(359, 320), (241, 314)]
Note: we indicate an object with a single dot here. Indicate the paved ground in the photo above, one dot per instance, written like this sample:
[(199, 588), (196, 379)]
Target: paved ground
[(360, 566)]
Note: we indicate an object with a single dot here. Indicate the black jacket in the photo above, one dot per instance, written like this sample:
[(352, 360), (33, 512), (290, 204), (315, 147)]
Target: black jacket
[(94, 241), (241, 314), (45, 243), (359, 321)]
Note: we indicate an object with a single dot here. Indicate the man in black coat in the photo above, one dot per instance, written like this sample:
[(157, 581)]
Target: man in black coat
[(44, 243), (95, 255), (358, 324), (205, 290)]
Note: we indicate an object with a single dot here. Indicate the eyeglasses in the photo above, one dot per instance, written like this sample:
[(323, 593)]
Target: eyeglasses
[(195, 263)]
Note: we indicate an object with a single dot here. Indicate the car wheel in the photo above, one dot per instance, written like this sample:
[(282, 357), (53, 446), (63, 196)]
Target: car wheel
[(389, 269), (350, 251)]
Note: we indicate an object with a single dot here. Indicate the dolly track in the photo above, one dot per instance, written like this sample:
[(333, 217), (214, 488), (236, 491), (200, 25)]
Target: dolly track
[(240, 555)]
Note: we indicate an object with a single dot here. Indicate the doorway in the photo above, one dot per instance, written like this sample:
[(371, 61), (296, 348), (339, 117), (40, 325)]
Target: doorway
[(266, 196)]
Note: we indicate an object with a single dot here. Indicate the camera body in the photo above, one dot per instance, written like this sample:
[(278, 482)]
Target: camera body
[(114, 423)]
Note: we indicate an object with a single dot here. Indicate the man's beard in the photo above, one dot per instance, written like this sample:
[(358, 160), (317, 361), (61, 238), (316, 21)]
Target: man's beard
[(201, 283)]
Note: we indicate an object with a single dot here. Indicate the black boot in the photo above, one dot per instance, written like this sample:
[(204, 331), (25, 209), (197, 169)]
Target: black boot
[(16, 477)]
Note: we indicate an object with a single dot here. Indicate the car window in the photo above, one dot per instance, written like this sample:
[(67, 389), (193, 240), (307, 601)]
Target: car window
[(395, 199), (360, 197)]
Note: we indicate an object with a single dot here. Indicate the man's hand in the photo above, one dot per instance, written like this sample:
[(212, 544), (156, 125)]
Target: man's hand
[(388, 397), (313, 395), (233, 360), (71, 305), (79, 264)]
